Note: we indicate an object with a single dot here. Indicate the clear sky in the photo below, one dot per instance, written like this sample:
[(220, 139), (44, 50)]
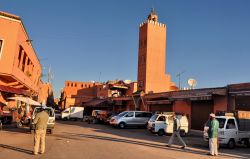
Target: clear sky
[(209, 40)]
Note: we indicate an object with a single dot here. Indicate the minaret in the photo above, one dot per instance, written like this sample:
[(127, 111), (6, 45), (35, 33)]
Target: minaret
[(151, 75)]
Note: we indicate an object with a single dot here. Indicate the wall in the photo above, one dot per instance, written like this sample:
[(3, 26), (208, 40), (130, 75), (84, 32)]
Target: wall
[(220, 103), (76, 93), (183, 106), (15, 37)]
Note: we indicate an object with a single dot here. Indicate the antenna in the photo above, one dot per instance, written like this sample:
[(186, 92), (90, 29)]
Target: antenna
[(179, 77), (192, 83), (100, 77), (50, 75)]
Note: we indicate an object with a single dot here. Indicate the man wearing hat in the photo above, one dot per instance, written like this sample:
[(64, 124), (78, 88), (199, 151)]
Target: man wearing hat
[(40, 122), (176, 132), (213, 135)]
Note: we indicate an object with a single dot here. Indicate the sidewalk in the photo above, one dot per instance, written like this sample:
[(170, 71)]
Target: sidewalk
[(197, 133)]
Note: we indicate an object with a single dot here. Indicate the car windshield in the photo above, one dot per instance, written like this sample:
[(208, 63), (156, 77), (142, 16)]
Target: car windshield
[(221, 122), (122, 114), (48, 110), (154, 117)]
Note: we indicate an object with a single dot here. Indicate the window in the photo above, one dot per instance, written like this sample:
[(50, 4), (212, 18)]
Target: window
[(230, 124), (148, 115), (129, 114), (24, 60), (161, 118), (221, 122), (82, 85), (138, 114), (71, 84), (75, 84), (1, 46), (72, 110), (20, 55), (68, 84)]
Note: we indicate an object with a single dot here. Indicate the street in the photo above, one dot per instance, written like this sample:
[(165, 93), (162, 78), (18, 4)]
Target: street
[(75, 139)]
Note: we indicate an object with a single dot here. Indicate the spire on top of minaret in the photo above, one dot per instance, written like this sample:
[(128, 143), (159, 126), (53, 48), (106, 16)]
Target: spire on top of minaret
[(153, 15)]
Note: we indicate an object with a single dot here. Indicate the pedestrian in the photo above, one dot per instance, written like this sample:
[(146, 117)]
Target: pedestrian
[(213, 135), (176, 132), (40, 122)]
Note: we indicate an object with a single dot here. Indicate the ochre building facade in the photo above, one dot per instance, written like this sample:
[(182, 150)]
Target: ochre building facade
[(20, 68)]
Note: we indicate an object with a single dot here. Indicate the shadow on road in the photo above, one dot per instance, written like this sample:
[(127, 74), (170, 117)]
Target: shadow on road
[(192, 140), (74, 136), (16, 149)]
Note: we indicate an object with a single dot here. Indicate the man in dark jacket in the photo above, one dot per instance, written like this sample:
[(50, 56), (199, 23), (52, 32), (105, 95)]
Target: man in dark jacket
[(40, 122), (176, 132)]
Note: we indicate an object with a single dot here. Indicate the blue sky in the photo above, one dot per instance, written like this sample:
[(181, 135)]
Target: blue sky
[(209, 40)]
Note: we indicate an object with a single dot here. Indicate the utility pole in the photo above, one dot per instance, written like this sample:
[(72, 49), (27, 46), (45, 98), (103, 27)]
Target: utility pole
[(179, 78)]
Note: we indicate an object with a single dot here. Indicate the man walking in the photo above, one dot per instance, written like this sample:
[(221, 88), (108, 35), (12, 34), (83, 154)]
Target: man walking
[(40, 122), (176, 132), (213, 135)]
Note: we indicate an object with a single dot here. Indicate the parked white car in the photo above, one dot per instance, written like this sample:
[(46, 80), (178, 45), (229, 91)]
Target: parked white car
[(51, 121), (72, 113), (230, 131), (163, 124)]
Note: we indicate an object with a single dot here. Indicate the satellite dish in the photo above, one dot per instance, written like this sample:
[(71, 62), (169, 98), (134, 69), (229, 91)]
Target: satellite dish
[(127, 81), (192, 83)]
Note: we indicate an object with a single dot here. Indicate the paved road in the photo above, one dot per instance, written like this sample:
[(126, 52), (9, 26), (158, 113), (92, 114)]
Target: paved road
[(73, 140)]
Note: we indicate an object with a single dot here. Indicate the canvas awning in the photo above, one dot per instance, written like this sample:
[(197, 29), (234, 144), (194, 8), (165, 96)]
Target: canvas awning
[(95, 102), (25, 100), (13, 90)]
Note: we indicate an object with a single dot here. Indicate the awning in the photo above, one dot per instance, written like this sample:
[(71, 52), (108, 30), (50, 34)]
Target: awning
[(122, 98), (25, 100), (207, 97), (118, 87), (159, 102), (240, 93), (13, 90), (95, 102)]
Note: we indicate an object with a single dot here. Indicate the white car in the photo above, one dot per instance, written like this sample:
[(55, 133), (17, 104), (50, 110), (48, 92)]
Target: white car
[(163, 124), (51, 121)]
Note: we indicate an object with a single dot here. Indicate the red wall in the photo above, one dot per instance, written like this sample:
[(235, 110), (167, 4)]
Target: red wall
[(183, 106), (220, 103)]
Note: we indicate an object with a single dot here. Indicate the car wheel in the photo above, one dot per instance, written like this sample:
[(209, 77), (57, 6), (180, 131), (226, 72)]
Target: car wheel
[(19, 125), (161, 132), (246, 142), (231, 144), (122, 125)]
